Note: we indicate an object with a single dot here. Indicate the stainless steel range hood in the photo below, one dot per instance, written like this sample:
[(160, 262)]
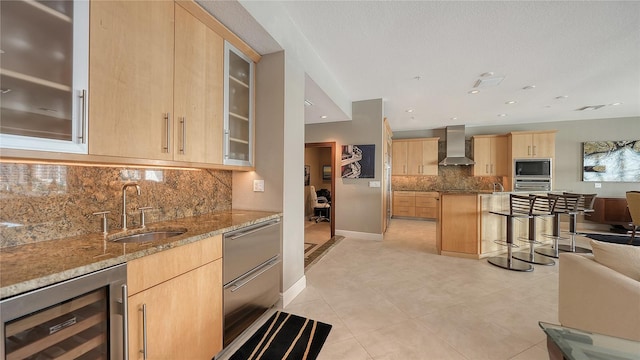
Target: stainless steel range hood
[(456, 147)]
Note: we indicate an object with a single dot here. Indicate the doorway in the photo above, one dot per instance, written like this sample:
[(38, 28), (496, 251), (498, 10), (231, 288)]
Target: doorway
[(320, 174)]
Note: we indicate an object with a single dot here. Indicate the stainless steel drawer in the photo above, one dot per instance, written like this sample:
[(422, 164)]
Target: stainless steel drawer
[(249, 247), (249, 296)]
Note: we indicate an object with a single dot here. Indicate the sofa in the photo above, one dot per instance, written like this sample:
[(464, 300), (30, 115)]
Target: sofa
[(600, 293)]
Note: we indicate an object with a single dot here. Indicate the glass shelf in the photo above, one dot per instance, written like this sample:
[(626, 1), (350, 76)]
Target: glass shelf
[(238, 108), (43, 99)]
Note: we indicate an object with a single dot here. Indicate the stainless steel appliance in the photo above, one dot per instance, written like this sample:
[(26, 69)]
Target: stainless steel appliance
[(81, 318), (532, 168), (251, 275), (532, 174)]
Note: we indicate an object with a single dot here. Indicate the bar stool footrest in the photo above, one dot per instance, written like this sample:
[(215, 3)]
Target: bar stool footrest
[(527, 240), (505, 243)]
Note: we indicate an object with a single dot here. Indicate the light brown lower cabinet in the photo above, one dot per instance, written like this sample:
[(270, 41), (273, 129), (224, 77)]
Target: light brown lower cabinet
[(180, 309), (415, 204)]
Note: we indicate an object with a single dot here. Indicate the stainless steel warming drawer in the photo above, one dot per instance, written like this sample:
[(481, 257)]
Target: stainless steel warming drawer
[(251, 275)]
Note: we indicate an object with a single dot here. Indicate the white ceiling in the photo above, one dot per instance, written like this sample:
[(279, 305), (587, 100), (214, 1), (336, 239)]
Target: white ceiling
[(586, 51)]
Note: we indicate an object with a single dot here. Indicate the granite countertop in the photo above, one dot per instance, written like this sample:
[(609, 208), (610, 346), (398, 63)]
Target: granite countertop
[(461, 191), (28, 267)]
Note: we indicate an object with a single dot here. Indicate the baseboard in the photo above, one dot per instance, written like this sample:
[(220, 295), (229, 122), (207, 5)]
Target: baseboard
[(295, 290), (359, 235)]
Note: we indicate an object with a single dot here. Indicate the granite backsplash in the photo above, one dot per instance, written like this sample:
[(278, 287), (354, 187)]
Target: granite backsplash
[(40, 202), (449, 178)]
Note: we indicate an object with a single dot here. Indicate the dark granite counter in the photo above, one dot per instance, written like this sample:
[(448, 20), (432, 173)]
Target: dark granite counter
[(27, 267)]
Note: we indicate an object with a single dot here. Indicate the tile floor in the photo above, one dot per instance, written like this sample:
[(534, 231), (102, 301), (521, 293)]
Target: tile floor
[(397, 299)]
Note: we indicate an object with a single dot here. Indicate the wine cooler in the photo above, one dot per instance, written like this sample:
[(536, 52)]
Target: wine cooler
[(80, 318)]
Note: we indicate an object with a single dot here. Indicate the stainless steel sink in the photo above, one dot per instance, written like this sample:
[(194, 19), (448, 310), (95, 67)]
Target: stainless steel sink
[(148, 236)]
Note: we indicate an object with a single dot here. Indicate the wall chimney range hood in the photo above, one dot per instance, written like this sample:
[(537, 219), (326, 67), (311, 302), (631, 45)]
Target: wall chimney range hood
[(455, 147)]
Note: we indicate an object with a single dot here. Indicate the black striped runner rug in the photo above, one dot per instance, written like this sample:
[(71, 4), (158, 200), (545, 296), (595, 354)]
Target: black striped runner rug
[(285, 336)]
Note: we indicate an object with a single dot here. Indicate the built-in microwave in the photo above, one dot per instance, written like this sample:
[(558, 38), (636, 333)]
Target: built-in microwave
[(532, 168)]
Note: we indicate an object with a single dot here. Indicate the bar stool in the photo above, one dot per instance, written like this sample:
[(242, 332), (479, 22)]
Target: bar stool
[(584, 206), (520, 207), (564, 205), (543, 207)]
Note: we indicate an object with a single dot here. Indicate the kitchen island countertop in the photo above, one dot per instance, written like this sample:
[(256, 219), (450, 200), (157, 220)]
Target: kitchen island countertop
[(32, 266)]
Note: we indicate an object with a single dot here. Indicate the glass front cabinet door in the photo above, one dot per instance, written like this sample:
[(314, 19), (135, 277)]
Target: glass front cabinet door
[(238, 107), (44, 75)]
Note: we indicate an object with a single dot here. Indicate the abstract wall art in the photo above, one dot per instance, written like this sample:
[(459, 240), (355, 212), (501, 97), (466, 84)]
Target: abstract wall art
[(611, 161), (358, 161)]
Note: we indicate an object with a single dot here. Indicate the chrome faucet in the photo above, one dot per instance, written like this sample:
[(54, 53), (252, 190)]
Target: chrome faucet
[(500, 185), (124, 202)]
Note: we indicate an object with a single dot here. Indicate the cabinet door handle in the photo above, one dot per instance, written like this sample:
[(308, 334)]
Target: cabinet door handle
[(492, 168), (184, 134), (167, 119), (226, 143), (528, 150), (144, 331), (83, 118), (534, 150), (125, 323), (487, 168)]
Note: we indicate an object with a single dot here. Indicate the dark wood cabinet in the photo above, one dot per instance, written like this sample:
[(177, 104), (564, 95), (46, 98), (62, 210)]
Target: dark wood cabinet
[(613, 211)]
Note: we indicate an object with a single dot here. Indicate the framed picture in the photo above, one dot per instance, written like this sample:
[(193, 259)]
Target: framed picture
[(307, 175), (611, 161), (358, 161), (326, 172)]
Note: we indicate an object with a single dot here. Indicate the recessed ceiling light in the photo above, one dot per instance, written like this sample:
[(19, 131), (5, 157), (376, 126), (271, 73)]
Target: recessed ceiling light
[(529, 87), (510, 102), (616, 104), (323, 116), (409, 110), (474, 91), (502, 115), (308, 103), (454, 118), (561, 97), (488, 73)]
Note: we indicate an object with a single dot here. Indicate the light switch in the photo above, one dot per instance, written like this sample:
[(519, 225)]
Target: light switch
[(258, 185), (598, 185), (374, 184)]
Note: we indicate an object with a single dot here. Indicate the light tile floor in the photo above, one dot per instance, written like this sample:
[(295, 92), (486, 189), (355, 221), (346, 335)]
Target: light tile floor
[(397, 299)]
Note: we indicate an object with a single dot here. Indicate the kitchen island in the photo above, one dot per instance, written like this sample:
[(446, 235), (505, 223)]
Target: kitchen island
[(466, 228), (27, 267)]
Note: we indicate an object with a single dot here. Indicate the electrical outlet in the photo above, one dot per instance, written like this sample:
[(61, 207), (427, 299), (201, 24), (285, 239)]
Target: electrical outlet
[(598, 185), (258, 185), (374, 184)]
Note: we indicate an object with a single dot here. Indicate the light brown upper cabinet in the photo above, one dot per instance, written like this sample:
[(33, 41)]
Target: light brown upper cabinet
[(198, 91), (415, 157), (156, 82), (131, 79), (533, 144), (490, 155), (399, 157)]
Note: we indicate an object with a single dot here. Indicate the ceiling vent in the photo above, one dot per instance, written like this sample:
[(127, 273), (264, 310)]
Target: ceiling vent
[(487, 82), (591, 107)]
